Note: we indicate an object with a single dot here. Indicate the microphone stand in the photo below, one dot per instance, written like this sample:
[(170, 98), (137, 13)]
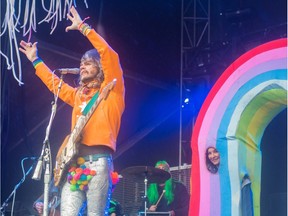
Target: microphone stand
[(46, 154), (5, 204)]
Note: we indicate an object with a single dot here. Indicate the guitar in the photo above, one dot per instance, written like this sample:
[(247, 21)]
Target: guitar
[(69, 148)]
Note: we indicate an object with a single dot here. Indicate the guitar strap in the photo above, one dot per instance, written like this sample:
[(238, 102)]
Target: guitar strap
[(90, 103)]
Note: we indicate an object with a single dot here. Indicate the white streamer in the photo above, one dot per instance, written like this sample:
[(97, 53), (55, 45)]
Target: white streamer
[(57, 11)]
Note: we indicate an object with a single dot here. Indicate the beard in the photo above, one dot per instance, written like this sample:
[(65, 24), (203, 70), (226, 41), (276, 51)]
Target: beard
[(88, 77), (90, 82)]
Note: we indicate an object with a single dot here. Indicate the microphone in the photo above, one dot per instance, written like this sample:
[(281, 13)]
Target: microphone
[(68, 70), (38, 170)]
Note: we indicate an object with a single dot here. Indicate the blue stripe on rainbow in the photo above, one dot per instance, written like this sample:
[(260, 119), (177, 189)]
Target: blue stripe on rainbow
[(221, 145)]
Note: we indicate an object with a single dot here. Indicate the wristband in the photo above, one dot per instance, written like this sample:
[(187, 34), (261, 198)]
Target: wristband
[(36, 62), (79, 26), (85, 29)]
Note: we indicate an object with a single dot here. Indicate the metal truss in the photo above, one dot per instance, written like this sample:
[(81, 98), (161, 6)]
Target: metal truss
[(195, 33)]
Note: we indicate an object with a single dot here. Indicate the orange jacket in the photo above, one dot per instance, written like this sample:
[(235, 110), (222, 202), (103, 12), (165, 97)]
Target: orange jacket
[(104, 124)]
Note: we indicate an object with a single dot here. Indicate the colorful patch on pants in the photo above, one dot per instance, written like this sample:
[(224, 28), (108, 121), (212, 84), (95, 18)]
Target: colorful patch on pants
[(79, 175)]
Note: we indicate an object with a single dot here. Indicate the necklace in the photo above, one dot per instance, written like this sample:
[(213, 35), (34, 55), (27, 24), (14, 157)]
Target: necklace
[(85, 89), (85, 93)]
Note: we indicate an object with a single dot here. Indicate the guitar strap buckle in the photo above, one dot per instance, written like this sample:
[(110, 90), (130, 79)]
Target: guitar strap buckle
[(91, 159)]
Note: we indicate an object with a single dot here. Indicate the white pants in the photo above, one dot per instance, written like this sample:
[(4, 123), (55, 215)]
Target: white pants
[(98, 195)]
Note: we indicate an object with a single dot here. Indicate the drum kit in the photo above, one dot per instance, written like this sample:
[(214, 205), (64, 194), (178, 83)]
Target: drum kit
[(146, 174)]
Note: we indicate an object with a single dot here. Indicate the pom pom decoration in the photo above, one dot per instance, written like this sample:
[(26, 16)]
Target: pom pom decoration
[(89, 177), (84, 182), (76, 176), (69, 177), (79, 170), (79, 175), (115, 178), (72, 169), (73, 182), (81, 187), (73, 187), (80, 160), (92, 172), (83, 177), (86, 171)]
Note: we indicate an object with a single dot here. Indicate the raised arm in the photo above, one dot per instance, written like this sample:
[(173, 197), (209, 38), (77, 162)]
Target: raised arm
[(44, 73), (109, 58)]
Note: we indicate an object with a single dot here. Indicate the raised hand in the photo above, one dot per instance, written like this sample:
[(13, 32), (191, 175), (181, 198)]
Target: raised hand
[(75, 19), (29, 49), (39, 206)]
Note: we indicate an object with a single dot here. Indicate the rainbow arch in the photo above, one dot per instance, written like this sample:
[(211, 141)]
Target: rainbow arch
[(248, 95)]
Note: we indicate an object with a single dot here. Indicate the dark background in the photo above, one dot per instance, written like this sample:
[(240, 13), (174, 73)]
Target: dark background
[(147, 36)]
